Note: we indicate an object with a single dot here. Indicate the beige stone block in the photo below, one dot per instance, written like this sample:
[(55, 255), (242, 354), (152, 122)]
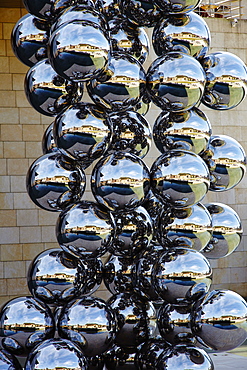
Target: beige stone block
[(240, 288), (17, 166), (31, 250), (11, 252), (7, 99), (17, 286), (1, 30), (238, 274), (18, 81), (9, 115), (9, 50), (15, 66), (1, 149), (1, 270), (9, 235), (4, 65), (4, 184), (3, 287), (33, 149), (238, 259), (11, 132), (21, 100), (18, 184), (7, 30), (3, 166), (27, 217), (47, 218), (103, 294), (48, 234), (5, 82), (51, 245), (29, 116), (221, 276), (46, 120), (10, 14), (30, 234), (14, 269), (23, 201), (6, 200), (33, 132), (23, 11), (14, 149), (8, 217), (3, 50)]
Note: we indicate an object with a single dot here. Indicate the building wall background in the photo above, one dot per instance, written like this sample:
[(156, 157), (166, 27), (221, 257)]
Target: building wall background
[(26, 230)]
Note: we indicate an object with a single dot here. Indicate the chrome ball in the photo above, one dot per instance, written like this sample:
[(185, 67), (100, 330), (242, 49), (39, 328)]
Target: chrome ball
[(187, 33), (180, 178), (131, 133), (54, 182), (226, 231), (219, 320), (148, 353), (177, 6), (46, 9), (226, 80), (176, 82), (8, 361), (141, 13), (108, 8), (55, 277), (24, 323), (56, 353), (122, 87), (83, 132), (79, 50), (48, 142), (226, 160), (181, 274), (155, 208), (47, 92), (189, 130), (89, 323), (119, 359), (120, 181), (85, 230), (29, 39)]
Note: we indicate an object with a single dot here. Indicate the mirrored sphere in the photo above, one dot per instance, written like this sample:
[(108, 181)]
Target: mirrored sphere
[(187, 227), (186, 33), (155, 208), (176, 82), (85, 230), (181, 273), (56, 353), (148, 353), (189, 130), (46, 9), (119, 359), (47, 92), (79, 50), (219, 320), (118, 275), (141, 13), (28, 36), (124, 86), (109, 8), (134, 232), (48, 142), (24, 323), (55, 277), (8, 361), (54, 182), (177, 6), (226, 231), (180, 178), (129, 39), (131, 133), (89, 323), (83, 132), (226, 161), (226, 80), (185, 357), (120, 181)]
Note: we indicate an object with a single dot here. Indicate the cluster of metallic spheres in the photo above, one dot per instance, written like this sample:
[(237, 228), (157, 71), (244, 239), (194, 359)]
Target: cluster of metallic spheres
[(158, 235)]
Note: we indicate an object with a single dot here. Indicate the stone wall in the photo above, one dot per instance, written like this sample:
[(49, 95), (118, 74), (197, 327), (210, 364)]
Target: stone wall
[(26, 230)]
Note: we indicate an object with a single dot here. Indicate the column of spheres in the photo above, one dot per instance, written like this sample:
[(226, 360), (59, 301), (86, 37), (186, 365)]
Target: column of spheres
[(150, 221)]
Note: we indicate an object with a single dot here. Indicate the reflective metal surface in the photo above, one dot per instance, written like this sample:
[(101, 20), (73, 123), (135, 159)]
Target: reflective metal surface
[(226, 160), (56, 278), (134, 232), (83, 131), (47, 92), (131, 133), (109, 8), (186, 33), (48, 142), (54, 182), (24, 323), (226, 80), (124, 86), (128, 39), (118, 275), (118, 359), (148, 353), (29, 35), (120, 181), (180, 178), (56, 353), (177, 6), (46, 9), (185, 357), (187, 227), (141, 13), (79, 50), (226, 231), (8, 361), (219, 320), (176, 82), (154, 207), (181, 273), (90, 323), (189, 130), (85, 230)]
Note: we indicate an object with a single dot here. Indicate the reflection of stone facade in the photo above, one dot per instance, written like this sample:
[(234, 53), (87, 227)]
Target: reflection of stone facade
[(126, 80), (124, 181), (188, 36), (54, 179), (88, 327), (92, 229), (58, 275), (25, 325), (87, 129), (39, 37), (195, 179), (89, 49), (190, 227)]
